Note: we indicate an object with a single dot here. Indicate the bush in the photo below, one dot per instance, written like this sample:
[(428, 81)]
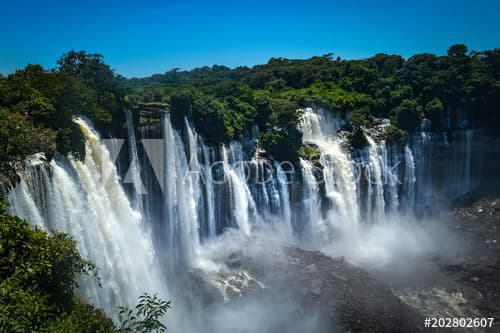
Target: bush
[(211, 121), (434, 111), (361, 117), (146, 317), (71, 140), (19, 138), (284, 145), (38, 274), (38, 278), (181, 106), (395, 135), (407, 116), (310, 153)]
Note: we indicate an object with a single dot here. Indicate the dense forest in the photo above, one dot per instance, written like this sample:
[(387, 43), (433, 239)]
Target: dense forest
[(37, 105)]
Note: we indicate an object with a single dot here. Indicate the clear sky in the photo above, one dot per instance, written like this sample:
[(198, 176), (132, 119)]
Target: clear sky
[(142, 37)]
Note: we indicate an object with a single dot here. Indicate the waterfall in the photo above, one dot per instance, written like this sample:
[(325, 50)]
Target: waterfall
[(180, 194), (85, 200), (188, 193), (409, 180), (375, 177), (242, 204), (316, 229), (338, 171), (134, 169), (390, 158), (285, 209)]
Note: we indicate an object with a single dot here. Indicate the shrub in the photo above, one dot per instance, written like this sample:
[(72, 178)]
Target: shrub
[(361, 117), (284, 145), (408, 116), (434, 111), (19, 137), (395, 135)]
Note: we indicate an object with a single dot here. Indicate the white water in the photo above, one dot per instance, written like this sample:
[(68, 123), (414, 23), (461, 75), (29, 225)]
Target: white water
[(95, 211), (134, 168), (208, 191), (338, 173), (179, 199)]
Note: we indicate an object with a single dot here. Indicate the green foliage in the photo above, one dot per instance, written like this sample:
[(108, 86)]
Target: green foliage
[(33, 259), (19, 137), (146, 317), (212, 121), (224, 103), (71, 140), (407, 116), (284, 144), (38, 275), (392, 134), (181, 105), (38, 278), (361, 117), (310, 153), (330, 96), (82, 85), (83, 318), (434, 111)]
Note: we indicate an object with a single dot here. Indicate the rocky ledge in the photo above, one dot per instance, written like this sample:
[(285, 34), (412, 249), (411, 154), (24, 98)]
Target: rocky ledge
[(151, 113)]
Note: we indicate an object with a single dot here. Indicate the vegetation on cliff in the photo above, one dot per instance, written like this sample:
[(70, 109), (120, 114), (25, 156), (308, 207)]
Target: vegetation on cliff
[(439, 88), (224, 103)]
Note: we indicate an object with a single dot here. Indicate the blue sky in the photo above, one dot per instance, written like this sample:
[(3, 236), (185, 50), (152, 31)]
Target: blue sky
[(139, 38)]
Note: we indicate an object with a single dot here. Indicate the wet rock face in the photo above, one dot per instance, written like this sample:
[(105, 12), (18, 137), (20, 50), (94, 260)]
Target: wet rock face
[(151, 113), (345, 298)]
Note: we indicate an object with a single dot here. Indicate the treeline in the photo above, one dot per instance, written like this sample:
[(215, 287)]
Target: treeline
[(461, 88), (37, 105), (223, 102)]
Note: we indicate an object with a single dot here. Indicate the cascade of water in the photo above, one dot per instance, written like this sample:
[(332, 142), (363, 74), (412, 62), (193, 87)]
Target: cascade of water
[(338, 171), (409, 181), (206, 167), (391, 177), (134, 169), (207, 189), (315, 228), (374, 176), (87, 202), (24, 201), (285, 212), (242, 205), (179, 199)]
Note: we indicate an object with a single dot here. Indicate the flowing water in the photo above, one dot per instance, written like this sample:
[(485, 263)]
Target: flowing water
[(187, 193)]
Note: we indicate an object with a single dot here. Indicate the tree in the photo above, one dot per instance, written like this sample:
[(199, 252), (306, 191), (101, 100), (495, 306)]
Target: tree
[(211, 120), (361, 117), (408, 116), (38, 276), (19, 137), (434, 111), (395, 135)]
